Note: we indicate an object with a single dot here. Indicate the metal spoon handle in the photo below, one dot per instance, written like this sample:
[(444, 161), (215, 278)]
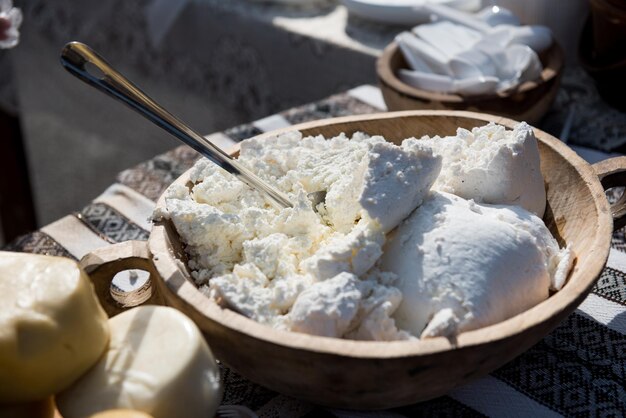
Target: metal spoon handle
[(74, 58)]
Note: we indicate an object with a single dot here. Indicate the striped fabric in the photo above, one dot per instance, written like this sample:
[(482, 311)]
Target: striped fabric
[(577, 370)]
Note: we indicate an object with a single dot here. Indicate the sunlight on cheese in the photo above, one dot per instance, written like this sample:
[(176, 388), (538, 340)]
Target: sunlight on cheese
[(52, 328), (157, 362)]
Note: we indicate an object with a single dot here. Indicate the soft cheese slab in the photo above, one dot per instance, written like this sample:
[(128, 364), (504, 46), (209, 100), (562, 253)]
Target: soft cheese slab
[(464, 266), (52, 328), (157, 362)]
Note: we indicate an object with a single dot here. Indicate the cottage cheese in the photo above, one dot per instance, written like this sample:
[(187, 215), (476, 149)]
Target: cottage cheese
[(289, 268), (490, 164), (349, 273)]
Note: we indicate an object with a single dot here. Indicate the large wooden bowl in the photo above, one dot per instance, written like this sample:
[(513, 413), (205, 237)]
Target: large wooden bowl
[(529, 102), (365, 375)]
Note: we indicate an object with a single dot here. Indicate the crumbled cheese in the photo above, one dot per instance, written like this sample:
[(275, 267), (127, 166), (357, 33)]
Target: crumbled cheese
[(350, 270), (270, 264)]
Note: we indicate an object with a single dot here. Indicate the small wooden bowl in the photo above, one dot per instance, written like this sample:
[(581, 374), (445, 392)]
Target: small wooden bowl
[(370, 375), (529, 102)]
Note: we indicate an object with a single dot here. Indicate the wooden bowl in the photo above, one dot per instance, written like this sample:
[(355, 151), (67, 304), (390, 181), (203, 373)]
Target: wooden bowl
[(529, 102), (364, 374)]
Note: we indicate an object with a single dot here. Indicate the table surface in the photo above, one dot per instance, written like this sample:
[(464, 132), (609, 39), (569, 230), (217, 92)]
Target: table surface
[(578, 369)]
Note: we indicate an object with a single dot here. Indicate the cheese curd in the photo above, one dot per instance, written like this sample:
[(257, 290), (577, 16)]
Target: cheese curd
[(378, 260), (269, 264)]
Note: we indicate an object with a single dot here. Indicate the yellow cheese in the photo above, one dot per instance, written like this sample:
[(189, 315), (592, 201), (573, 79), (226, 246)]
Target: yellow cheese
[(52, 328), (157, 362)]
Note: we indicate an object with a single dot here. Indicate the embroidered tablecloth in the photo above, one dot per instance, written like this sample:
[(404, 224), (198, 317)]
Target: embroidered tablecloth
[(577, 370)]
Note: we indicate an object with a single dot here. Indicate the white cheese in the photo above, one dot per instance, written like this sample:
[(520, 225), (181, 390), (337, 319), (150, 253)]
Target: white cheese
[(52, 328), (328, 307), (464, 266), (491, 165), (336, 275), (157, 362), (258, 261)]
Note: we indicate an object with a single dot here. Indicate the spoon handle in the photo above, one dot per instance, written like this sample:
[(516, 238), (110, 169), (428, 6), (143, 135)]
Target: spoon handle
[(75, 57)]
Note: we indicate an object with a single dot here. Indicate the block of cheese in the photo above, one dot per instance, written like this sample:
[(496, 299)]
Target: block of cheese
[(157, 362), (52, 328)]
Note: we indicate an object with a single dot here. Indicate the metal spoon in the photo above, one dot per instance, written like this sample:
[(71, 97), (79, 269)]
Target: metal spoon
[(74, 58)]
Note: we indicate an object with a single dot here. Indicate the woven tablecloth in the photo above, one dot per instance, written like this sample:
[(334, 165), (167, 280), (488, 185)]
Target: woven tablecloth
[(577, 370)]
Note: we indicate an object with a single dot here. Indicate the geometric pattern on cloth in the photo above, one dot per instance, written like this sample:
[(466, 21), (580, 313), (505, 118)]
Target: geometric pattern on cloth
[(243, 392), (109, 224), (443, 407), (285, 406), (241, 132), (152, 177), (577, 370), (591, 343), (333, 106), (618, 240), (611, 285), (38, 243)]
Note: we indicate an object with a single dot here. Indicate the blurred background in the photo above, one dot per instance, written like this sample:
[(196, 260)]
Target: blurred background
[(215, 63)]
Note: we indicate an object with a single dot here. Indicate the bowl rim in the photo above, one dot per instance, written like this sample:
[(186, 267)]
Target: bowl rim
[(188, 297), (554, 59)]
